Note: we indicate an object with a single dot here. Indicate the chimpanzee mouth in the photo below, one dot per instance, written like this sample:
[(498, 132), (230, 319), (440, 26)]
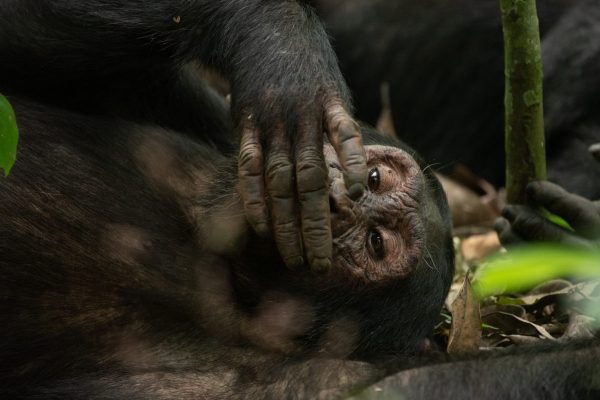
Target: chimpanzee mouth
[(333, 209)]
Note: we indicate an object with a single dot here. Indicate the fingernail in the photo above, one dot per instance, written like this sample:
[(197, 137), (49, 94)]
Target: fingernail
[(509, 213), (356, 191), (321, 265), (262, 230), (500, 224), (294, 262), (531, 188)]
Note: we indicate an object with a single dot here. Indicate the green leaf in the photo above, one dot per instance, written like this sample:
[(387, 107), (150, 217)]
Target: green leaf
[(555, 219), (9, 136), (522, 268)]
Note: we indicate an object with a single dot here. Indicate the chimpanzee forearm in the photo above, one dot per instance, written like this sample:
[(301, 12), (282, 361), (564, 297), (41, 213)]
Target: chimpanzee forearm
[(543, 372), (273, 377), (98, 37), (526, 223), (538, 372)]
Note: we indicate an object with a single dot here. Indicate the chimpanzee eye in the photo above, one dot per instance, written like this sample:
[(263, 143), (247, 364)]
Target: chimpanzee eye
[(374, 179), (375, 242)]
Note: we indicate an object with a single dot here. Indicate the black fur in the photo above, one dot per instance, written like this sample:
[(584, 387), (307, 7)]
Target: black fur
[(443, 61), (92, 279), (127, 268), (108, 265)]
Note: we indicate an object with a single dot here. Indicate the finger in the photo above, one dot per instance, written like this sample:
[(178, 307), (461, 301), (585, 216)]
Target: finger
[(579, 212), (505, 233), (595, 150), (531, 226), (344, 135), (313, 193), (279, 174), (251, 178)]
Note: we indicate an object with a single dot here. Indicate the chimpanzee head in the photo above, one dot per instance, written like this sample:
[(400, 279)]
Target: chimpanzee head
[(393, 257), (394, 243), (400, 223)]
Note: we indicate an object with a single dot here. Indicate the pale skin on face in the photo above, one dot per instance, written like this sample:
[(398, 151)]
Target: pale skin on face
[(378, 236)]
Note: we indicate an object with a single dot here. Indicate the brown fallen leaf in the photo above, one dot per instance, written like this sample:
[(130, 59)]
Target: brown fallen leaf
[(510, 324), (550, 286), (579, 327), (574, 292), (465, 332), (507, 308), (465, 205), (523, 340), (477, 247)]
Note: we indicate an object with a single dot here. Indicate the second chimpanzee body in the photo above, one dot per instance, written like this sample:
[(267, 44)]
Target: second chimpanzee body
[(443, 62)]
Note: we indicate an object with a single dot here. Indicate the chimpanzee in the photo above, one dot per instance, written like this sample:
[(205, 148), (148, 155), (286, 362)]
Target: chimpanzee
[(128, 271), (128, 268), (443, 62), (126, 251)]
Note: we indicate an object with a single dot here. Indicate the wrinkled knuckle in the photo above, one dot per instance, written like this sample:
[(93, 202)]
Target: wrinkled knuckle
[(309, 156), (356, 161), (317, 232), (254, 205), (333, 103), (286, 231), (317, 216), (250, 158), (311, 178), (336, 113), (279, 167), (348, 130)]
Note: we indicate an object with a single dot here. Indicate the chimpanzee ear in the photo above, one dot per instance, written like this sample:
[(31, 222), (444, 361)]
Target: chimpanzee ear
[(385, 122)]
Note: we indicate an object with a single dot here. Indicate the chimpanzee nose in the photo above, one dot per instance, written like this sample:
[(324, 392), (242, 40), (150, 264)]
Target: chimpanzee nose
[(340, 201), (343, 209)]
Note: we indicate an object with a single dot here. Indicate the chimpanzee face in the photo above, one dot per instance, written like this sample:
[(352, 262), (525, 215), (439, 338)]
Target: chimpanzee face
[(394, 227)]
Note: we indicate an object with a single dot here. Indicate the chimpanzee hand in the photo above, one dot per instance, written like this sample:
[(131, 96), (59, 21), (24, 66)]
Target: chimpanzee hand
[(291, 92), (524, 223), (284, 174)]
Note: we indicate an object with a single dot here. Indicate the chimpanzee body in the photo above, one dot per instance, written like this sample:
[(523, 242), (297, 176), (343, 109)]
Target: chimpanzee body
[(443, 62), (126, 246), (128, 269), (126, 249)]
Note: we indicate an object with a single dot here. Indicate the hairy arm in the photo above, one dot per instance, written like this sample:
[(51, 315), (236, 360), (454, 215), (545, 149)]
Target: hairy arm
[(286, 90)]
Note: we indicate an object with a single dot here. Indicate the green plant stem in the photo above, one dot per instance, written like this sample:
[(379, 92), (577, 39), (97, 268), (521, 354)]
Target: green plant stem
[(524, 118)]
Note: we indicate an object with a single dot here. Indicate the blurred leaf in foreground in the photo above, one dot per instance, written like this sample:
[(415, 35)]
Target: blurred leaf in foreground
[(522, 268), (9, 135)]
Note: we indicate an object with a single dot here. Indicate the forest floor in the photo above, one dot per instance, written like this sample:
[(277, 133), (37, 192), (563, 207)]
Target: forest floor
[(555, 310)]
